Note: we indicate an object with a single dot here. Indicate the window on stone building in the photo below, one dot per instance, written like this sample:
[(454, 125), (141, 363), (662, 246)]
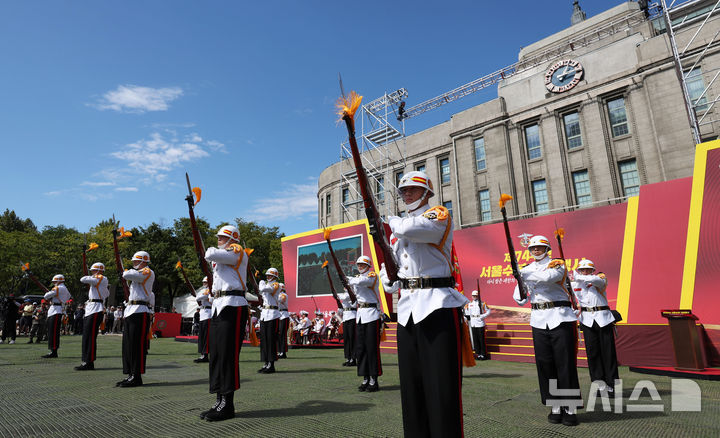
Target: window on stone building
[(480, 163), (380, 188), (448, 205), (618, 117), (328, 208), (420, 167), (532, 141), (696, 87), (540, 195), (444, 170), (581, 181), (398, 177), (572, 130), (484, 199), (629, 177), (345, 196)]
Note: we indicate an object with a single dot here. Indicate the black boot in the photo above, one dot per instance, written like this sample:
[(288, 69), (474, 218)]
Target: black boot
[(264, 368), (373, 385), (364, 386), (270, 369), (201, 359), (217, 403), (224, 411), (123, 380), (50, 355), (133, 381), (85, 366)]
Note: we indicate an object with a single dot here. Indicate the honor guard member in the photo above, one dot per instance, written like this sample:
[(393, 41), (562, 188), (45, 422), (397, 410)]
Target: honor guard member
[(94, 314), (136, 319), (204, 301), (369, 325), (349, 315), (55, 298), (477, 311), (230, 315), (597, 323), (429, 336), (554, 333), (269, 320), (10, 315), (282, 344)]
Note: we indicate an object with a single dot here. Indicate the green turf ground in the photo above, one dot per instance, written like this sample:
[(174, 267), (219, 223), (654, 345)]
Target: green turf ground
[(311, 395)]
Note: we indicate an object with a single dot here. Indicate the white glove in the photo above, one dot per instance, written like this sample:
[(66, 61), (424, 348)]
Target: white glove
[(389, 287)]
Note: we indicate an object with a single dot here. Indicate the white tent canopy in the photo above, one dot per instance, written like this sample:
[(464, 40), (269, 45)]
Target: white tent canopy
[(185, 305)]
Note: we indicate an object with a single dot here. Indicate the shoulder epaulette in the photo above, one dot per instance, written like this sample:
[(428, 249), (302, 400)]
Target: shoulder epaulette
[(554, 263), (437, 213), (146, 271), (234, 247), (372, 274)]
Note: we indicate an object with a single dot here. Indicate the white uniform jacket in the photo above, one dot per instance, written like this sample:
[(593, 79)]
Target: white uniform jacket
[(349, 310), (318, 324), (477, 312), (98, 291), (283, 303), (303, 325), (366, 286), (118, 314), (270, 291), (57, 295), (204, 301), (141, 283), (589, 292), (229, 274), (545, 284), (422, 243)]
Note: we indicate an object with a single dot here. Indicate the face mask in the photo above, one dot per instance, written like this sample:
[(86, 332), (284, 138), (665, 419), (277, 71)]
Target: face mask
[(136, 264), (540, 257), (362, 268), (415, 205)]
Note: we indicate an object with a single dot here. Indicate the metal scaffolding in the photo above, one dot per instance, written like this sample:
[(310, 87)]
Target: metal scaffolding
[(679, 17)]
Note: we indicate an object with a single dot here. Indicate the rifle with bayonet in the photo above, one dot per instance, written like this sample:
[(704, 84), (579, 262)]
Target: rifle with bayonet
[(26, 269), (347, 106), (332, 287), (341, 274), (559, 235), (511, 249), (197, 238), (119, 233), (185, 277)]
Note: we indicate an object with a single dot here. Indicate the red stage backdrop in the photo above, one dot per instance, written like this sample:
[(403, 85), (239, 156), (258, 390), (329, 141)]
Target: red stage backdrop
[(659, 250)]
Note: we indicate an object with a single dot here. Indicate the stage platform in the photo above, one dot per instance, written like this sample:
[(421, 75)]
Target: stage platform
[(331, 344), (706, 374)]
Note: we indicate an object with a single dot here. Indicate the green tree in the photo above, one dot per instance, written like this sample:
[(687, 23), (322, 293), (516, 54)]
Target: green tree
[(9, 222)]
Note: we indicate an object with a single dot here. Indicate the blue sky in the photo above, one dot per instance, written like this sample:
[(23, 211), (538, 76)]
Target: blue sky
[(105, 105)]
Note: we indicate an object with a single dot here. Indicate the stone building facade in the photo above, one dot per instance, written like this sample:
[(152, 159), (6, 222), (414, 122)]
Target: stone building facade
[(581, 130)]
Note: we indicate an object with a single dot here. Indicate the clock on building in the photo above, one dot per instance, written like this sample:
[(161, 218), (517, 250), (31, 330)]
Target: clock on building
[(563, 75)]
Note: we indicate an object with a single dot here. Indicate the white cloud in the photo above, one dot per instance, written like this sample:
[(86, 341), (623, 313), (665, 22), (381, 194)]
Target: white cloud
[(137, 99), (126, 189), (53, 193), (152, 158), (216, 146), (295, 201), (97, 183)]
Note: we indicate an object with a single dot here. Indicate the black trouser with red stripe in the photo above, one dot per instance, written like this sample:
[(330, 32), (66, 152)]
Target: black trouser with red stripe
[(54, 324), (430, 365), (268, 340), (282, 335), (91, 324), (478, 335), (135, 343), (203, 337), (349, 328), (601, 355), (228, 333), (367, 350), (556, 359)]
